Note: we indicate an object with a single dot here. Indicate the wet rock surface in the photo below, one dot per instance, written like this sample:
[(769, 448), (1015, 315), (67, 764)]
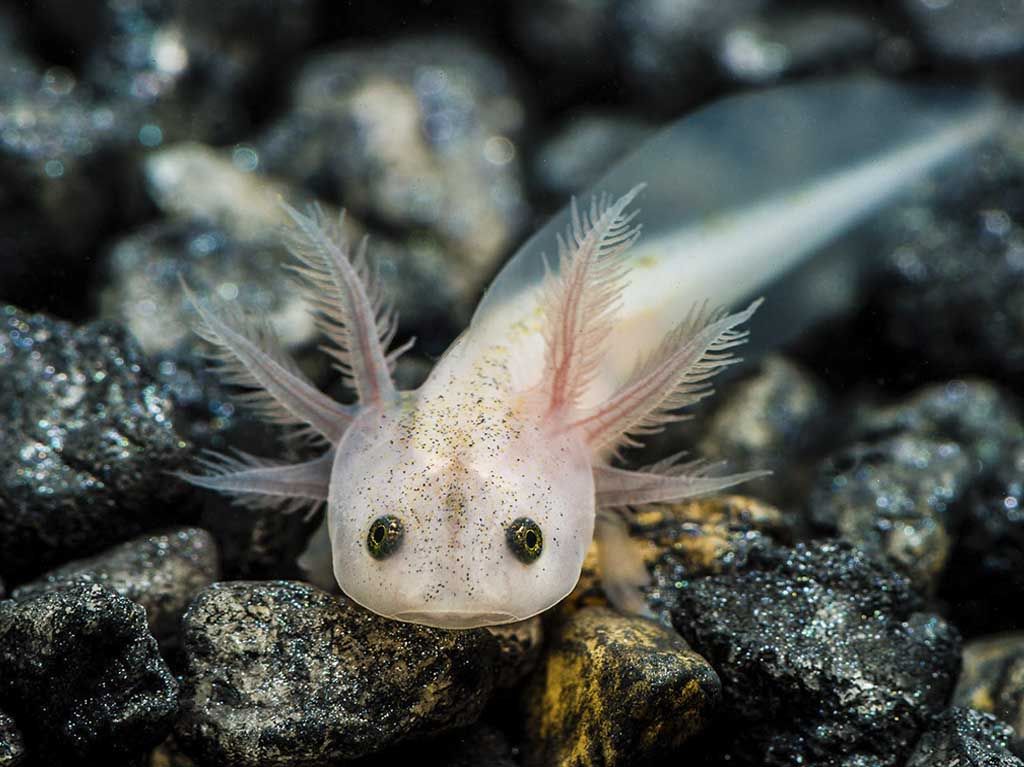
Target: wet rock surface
[(82, 676), (769, 420), (420, 133), (951, 292), (992, 681), (12, 744), (281, 673), (162, 572), (984, 419), (894, 498), (699, 537), (667, 47), (86, 442), (822, 651), (916, 480), (984, 582), (965, 738), (776, 44), (709, 535), (614, 690), (987, 29)]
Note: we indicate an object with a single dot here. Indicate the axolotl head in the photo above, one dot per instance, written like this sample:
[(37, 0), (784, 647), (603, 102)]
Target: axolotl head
[(454, 510)]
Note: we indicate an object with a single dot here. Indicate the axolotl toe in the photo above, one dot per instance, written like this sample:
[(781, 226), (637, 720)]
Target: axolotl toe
[(472, 500)]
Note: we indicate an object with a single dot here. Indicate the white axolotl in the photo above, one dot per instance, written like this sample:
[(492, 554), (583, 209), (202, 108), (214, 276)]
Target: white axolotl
[(472, 500)]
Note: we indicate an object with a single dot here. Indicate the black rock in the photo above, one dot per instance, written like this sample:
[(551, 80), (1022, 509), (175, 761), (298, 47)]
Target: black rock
[(666, 49), (234, 238), (984, 581), (85, 442), (582, 149), (519, 649), (769, 420), (779, 44), (62, 158), (569, 41), (615, 690), (12, 745), (949, 300), (982, 30), (895, 498), (162, 572), (965, 738), (82, 676), (931, 472), (993, 681), (824, 654), (711, 535), (188, 69), (976, 414), (421, 134), (281, 673)]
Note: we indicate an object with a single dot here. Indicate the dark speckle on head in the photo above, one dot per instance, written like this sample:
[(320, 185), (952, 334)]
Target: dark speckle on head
[(496, 509)]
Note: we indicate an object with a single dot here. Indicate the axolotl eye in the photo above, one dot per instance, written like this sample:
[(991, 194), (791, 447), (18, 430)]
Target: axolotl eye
[(385, 536), (525, 539)]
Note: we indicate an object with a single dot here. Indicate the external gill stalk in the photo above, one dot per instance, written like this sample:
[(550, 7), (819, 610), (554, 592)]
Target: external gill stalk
[(582, 299), (258, 483), (250, 356), (348, 301), (581, 304), (359, 327)]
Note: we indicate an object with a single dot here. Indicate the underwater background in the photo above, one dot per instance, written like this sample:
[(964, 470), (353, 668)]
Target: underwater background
[(862, 606)]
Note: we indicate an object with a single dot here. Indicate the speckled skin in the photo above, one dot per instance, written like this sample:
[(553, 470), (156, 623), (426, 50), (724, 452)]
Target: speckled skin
[(462, 458)]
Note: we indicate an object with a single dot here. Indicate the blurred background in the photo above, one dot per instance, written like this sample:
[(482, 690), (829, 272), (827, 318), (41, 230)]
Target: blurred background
[(141, 140)]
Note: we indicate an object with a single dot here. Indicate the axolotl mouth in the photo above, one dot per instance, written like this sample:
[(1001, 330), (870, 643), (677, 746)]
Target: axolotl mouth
[(454, 619)]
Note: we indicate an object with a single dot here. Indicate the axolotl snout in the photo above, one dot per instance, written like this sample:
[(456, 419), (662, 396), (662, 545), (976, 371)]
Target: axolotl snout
[(472, 501), (483, 510)]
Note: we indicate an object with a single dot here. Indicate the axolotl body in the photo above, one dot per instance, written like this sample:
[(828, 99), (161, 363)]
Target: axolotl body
[(472, 500)]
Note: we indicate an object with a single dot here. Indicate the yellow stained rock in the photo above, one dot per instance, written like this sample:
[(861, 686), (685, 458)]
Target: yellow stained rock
[(613, 690), (699, 533)]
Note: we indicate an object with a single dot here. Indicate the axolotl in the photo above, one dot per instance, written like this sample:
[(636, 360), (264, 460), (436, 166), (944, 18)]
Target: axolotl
[(472, 500)]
